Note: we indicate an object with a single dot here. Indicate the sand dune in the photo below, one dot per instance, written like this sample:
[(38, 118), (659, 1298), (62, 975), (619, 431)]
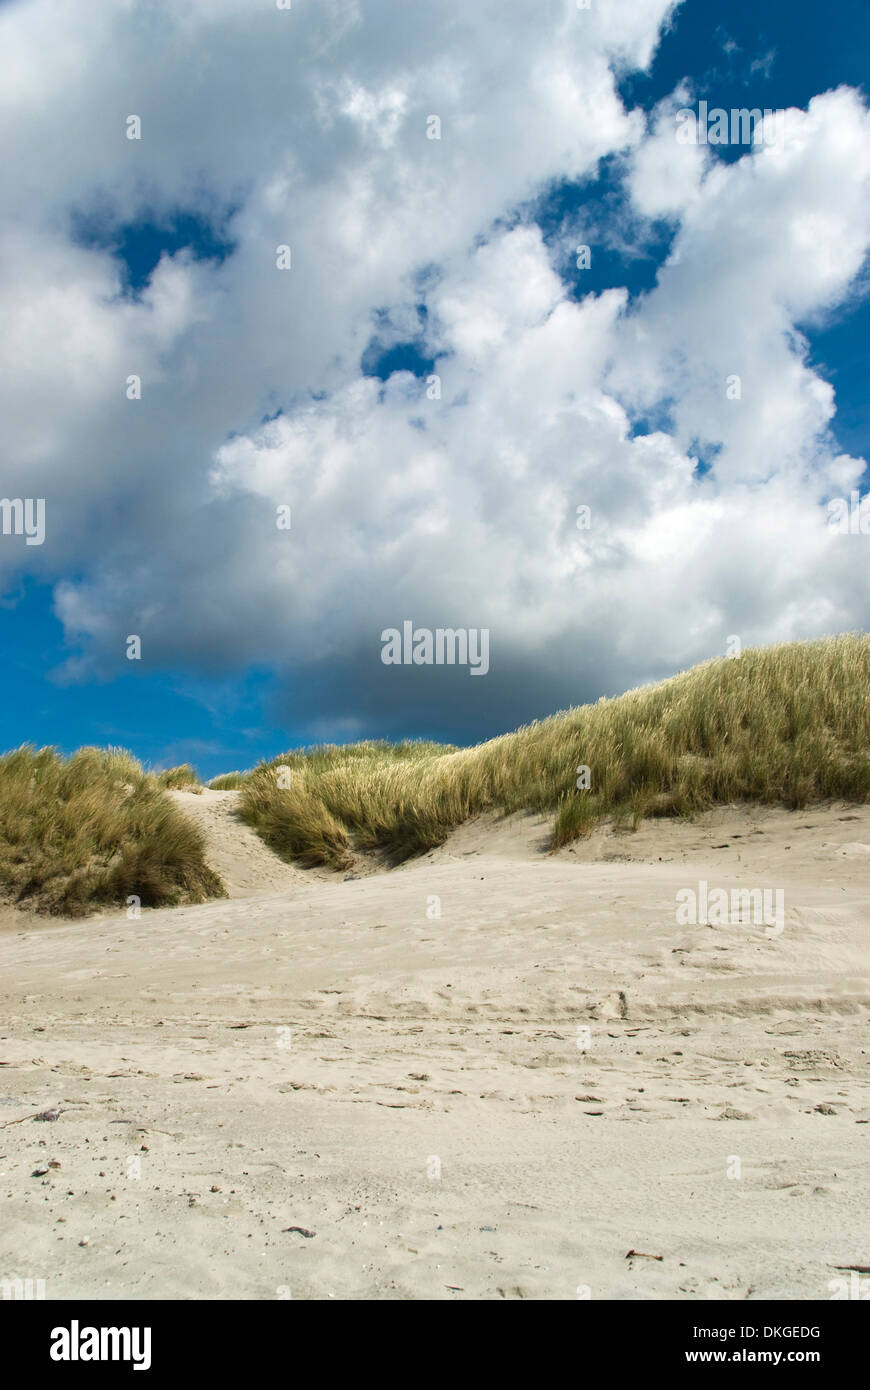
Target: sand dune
[(500, 1101), (245, 864)]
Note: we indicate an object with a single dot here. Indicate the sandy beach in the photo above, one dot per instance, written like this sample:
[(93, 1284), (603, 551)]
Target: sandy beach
[(321, 1088)]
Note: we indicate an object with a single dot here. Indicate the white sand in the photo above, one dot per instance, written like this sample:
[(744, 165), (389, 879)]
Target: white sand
[(416, 1041)]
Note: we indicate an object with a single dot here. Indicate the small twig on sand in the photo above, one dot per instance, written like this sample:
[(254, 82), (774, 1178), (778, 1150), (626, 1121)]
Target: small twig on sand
[(36, 1115)]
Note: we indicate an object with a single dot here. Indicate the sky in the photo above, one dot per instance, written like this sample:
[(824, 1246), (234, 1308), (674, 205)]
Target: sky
[(432, 376)]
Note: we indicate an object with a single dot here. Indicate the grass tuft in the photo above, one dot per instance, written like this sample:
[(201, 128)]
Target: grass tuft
[(93, 830), (227, 781), (179, 779)]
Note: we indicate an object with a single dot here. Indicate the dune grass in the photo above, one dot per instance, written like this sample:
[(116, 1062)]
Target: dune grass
[(182, 779), (93, 830), (227, 781), (309, 803), (784, 725)]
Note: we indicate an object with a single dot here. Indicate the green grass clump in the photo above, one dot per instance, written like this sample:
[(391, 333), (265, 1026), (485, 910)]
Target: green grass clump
[(93, 830), (783, 725), (182, 778), (227, 781), (309, 804)]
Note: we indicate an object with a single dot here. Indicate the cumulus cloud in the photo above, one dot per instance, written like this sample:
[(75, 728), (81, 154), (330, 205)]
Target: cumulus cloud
[(451, 502)]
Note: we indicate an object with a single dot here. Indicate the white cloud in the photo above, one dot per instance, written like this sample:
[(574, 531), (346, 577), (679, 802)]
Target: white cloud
[(459, 511)]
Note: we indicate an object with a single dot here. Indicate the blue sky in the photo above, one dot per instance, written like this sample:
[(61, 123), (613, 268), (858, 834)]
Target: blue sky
[(252, 398)]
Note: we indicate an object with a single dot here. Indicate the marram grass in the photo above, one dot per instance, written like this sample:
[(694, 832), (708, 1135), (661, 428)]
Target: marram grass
[(92, 830), (182, 778), (784, 725), (226, 781)]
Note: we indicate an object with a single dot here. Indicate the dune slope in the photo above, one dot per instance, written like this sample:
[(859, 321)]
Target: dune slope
[(500, 1101)]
